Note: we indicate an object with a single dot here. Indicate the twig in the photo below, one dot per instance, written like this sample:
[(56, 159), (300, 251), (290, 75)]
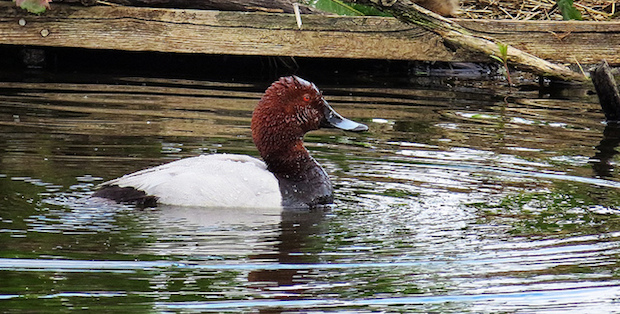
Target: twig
[(580, 67), (108, 3), (558, 36), (591, 11), (503, 10), (297, 14)]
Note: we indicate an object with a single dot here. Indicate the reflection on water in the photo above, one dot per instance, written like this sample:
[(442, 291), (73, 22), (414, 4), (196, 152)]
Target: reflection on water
[(456, 200), (603, 163)]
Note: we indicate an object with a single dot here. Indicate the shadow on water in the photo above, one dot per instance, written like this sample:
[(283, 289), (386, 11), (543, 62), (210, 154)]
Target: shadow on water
[(458, 199), (602, 162)]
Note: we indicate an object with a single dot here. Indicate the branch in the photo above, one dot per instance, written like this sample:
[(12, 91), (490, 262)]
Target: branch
[(410, 13)]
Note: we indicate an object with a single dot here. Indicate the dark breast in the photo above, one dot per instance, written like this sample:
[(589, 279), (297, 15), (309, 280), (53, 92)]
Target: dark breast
[(309, 190)]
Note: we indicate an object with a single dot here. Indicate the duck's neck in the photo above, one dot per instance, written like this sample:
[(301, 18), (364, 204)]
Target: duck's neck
[(303, 182), (289, 160), (279, 142)]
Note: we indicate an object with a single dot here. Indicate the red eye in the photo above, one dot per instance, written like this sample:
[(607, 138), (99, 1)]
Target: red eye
[(306, 97)]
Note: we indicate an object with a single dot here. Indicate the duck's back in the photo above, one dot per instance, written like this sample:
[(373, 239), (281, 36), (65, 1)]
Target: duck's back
[(219, 180)]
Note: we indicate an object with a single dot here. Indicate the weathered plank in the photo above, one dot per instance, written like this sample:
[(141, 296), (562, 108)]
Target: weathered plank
[(255, 33), (560, 41)]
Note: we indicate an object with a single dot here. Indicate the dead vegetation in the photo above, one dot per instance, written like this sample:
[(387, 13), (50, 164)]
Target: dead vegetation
[(591, 10)]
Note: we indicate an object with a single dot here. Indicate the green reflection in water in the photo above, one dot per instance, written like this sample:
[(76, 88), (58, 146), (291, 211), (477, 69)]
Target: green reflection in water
[(567, 208), (33, 227)]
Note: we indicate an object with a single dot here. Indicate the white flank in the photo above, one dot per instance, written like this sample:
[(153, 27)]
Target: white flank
[(220, 180)]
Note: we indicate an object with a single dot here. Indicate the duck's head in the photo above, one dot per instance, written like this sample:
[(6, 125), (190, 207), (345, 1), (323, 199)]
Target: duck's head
[(291, 107)]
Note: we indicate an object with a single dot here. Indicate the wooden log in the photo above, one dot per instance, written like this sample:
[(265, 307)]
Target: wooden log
[(274, 6), (456, 35), (607, 91), (272, 34)]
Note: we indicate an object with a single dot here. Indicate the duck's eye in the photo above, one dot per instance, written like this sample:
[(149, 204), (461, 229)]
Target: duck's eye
[(306, 97)]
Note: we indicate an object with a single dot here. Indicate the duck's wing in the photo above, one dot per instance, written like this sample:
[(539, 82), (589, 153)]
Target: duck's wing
[(219, 180)]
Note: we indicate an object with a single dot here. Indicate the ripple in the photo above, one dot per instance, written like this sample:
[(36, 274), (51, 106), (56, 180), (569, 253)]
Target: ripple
[(454, 201), (570, 301)]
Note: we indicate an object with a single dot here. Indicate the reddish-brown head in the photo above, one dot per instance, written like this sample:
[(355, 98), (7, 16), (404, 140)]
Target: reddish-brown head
[(291, 107), (290, 104)]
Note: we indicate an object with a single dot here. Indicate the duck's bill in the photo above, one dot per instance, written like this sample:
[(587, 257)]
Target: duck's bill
[(335, 120)]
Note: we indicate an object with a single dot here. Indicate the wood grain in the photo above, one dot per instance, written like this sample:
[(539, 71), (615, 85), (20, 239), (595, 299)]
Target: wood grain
[(560, 41), (273, 34)]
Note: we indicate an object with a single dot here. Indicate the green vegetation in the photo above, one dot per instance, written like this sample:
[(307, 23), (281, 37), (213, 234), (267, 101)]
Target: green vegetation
[(503, 58), (344, 8), (567, 208), (569, 12), (33, 6)]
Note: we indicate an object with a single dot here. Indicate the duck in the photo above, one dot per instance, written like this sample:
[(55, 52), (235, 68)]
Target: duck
[(286, 176)]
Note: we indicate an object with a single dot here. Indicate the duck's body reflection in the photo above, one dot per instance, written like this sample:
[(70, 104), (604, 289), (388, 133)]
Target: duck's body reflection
[(242, 237)]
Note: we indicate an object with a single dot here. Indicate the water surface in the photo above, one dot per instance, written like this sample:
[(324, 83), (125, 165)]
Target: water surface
[(458, 199)]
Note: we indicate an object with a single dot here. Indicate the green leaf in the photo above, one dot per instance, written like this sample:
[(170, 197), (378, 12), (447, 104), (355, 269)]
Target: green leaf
[(33, 6), (336, 7), (503, 50), (569, 12), (497, 58), (342, 8), (369, 11)]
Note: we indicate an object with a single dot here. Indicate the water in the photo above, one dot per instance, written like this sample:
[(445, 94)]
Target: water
[(458, 199)]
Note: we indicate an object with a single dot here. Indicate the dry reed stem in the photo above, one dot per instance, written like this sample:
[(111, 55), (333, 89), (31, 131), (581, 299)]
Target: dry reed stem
[(593, 10)]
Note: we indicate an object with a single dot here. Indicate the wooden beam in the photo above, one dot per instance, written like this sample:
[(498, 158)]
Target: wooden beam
[(560, 41), (272, 34)]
